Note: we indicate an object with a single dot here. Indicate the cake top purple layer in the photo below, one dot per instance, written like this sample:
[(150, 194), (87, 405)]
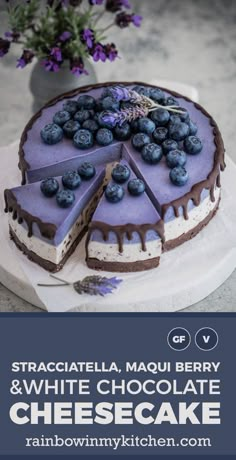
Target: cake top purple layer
[(30, 201), (39, 155), (136, 210), (131, 210)]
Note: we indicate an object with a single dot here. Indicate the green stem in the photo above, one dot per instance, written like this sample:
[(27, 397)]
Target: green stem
[(108, 27), (100, 15), (59, 279)]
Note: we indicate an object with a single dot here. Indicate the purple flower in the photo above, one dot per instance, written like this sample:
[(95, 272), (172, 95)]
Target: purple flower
[(97, 285), (111, 118), (96, 2), (25, 59), (123, 19), (120, 93), (12, 35), (50, 65), (116, 5), (65, 36), (88, 37), (56, 54), (4, 46), (77, 67), (136, 20), (99, 53), (111, 52)]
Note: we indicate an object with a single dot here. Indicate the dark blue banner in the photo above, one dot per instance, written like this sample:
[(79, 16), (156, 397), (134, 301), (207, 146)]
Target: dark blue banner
[(95, 385)]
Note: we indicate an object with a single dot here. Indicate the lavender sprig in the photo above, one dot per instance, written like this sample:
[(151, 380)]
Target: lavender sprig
[(142, 106), (92, 285), (125, 115)]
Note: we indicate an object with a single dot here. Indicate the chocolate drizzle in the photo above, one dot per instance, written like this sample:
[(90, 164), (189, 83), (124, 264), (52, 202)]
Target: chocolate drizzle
[(125, 230), (212, 181), (194, 194), (47, 230)]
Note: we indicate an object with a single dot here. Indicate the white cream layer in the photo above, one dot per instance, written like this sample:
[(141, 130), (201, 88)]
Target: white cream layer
[(176, 227), (173, 229), (131, 252), (48, 251), (109, 252)]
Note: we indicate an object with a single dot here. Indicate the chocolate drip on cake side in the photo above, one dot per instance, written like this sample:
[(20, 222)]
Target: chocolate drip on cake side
[(125, 230), (212, 181), (47, 230)]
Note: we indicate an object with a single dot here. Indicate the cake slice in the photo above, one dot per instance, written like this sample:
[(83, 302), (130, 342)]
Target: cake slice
[(126, 235), (46, 232)]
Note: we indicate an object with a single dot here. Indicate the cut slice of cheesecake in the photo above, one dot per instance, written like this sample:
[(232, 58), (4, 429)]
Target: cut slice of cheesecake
[(125, 236), (45, 232)]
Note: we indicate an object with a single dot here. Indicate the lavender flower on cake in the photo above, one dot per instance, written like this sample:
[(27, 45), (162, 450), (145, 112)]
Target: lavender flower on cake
[(142, 105), (65, 31)]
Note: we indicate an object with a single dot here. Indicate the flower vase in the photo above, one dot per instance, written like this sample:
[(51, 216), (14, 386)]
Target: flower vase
[(46, 85)]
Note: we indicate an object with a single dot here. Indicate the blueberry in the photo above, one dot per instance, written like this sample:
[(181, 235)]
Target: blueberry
[(120, 173), (157, 95), (86, 102), (98, 105), (160, 117), (82, 115), (136, 187), (192, 128), (193, 145), (122, 133), (152, 153), (91, 125), (142, 90), (86, 171), (175, 118), (184, 115), (145, 125), (71, 107), (49, 187), (101, 122), (139, 140), (160, 134), (134, 126), (114, 193), (168, 145), (176, 158), (83, 139), (171, 101), (61, 117), (70, 128), (178, 131), (104, 136), (51, 134), (179, 176), (65, 198), (71, 180), (109, 103)]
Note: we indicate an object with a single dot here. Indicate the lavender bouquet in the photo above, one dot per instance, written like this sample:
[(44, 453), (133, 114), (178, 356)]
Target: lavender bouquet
[(65, 30)]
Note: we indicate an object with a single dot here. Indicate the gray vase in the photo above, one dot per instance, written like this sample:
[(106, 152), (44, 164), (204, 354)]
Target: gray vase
[(47, 85)]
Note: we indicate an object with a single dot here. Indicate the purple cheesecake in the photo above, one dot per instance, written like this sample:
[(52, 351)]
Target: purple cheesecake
[(132, 243), (46, 232), (169, 144)]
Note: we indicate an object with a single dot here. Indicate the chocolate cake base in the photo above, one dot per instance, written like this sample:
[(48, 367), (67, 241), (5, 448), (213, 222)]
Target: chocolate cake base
[(150, 263), (46, 264), (123, 266)]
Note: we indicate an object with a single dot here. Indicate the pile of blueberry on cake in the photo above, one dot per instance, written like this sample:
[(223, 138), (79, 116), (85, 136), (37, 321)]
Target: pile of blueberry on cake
[(135, 167)]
